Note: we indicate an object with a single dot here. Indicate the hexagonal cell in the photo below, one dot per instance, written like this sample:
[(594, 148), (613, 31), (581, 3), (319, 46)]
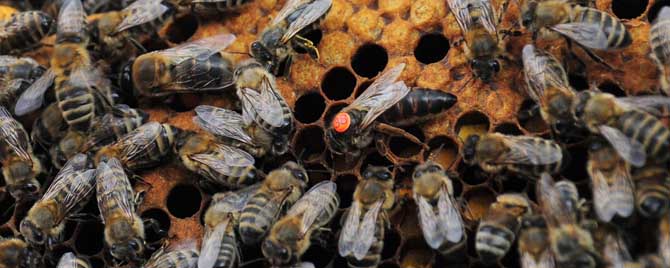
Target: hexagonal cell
[(443, 150), (508, 129), (612, 88), (184, 201), (575, 163), (161, 218), (479, 199), (531, 121), (459, 261), (416, 253), (182, 28), (628, 9), (7, 206), (655, 8), (309, 143), (338, 83), (472, 175), (510, 183), (403, 147), (89, 239), (309, 107), (392, 241), (362, 87), (317, 173), (369, 60), (431, 48), (472, 122), (578, 82), (346, 184)]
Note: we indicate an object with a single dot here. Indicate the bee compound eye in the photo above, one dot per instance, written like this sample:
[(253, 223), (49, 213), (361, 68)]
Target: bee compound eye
[(341, 122)]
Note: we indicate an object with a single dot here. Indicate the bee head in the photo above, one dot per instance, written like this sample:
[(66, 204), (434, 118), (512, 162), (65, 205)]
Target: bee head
[(262, 54), (24, 191), (276, 253), (126, 77), (485, 68), (296, 170), (31, 230), (427, 167), (376, 172), (127, 250), (470, 148)]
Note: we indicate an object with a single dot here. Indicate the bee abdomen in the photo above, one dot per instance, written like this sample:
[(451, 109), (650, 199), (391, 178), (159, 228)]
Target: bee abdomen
[(649, 131), (181, 259), (418, 105), (228, 251), (220, 6), (214, 72), (374, 257), (652, 195), (493, 242), (77, 106), (255, 219), (660, 40), (617, 35), (26, 31)]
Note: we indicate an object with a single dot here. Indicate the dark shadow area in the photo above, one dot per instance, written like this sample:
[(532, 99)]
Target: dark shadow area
[(309, 107), (369, 60), (431, 48), (89, 239), (508, 129), (182, 28), (160, 217), (346, 184), (338, 83), (184, 201), (309, 143), (629, 9), (403, 147)]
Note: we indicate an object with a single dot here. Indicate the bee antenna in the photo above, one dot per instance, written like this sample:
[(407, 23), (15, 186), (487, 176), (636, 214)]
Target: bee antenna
[(246, 263), (465, 83), (433, 154)]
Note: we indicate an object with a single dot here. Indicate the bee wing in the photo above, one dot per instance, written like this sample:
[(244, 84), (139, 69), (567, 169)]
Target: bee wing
[(615, 252), (553, 208), (383, 93), (366, 232), (6, 60), (345, 245), (221, 122), (539, 73), (650, 104), (451, 225), (68, 260), (71, 17), (289, 7), (546, 260), (211, 245), (460, 9), (32, 98), (76, 178), (113, 187), (528, 150), (314, 205), (266, 104), (140, 140), (235, 201), (610, 200), (629, 149), (428, 221), (310, 13), (140, 12), (200, 49), (14, 135), (232, 157), (586, 34)]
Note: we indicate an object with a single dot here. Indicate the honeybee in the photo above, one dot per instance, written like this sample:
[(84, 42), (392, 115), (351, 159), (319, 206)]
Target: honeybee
[(362, 236), (281, 188), (219, 244), (15, 253), (571, 244), (274, 48), (529, 156), (439, 216), (547, 84), (114, 33), (615, 253), (178, 256), (263, 105), (69, 260), (20, 166), (218, 163), (192, 67), (49, 127), (67, 194), (652, 190), (627, 123), (534, 243), (483, 46), (16, 75), (419, 105), (290, 237), (659, 40), (210, 7), (499, 227), (611, 182), (664, 243), (143, 147), (24, 31), (351, 129)]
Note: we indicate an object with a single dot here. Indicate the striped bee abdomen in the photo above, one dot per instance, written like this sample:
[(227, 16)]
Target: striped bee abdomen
[(256, 219), (652, 195), (228, 252), (649, 131), (617, 35), (215, 72), (24, 30), (418, 105)]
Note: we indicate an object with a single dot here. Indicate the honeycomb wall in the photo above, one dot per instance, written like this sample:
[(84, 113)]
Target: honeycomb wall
[(358, 39)]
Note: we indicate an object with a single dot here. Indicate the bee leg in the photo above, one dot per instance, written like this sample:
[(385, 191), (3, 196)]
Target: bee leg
[(155, 226), (394, 131), (137, 45), (307, 45)]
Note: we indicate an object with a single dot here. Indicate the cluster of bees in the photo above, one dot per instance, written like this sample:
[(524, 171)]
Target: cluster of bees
[(96, 141)]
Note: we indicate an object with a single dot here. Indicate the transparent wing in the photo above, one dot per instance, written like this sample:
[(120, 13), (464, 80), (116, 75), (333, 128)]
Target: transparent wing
[(14, 135), (200, 49), (221, 122), (226, 160), (211, 245), (366, 232), (68, 260), (613, 196), (32, 98), (450, 220), (629, 149), (553, 208), (529, 150), (71, 18), (587, 34), (615, 252), (461, 10), (140, 12), (266, 104), (288, 8), (74, 178), (345, 245), (542, 70), (428, 221), (654, 105), (113, 187), (383, 93), (546, 260), (315, 205), (140, 140), (311, 13), (234, 201)]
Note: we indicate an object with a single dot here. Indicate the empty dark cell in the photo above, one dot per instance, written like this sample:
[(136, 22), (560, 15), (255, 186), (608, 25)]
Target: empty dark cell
[(443, 150), (578, 82), (314, 36), (629, 9), (159, 217), (91, 208), (309, 143), (369, 60), (655, 8), (456, 261), (317, 173), (362, 87), (389, 265), (7, 206), (89, 239), (472, 175), (70, 227), (154, 44), (182, 28), (375, 159), (2, 181), (184, 201), (338, 83), (470, 123), (575, 164), (270, 165), (612, 88), (431, 48), (513, 184), (391, 243), (346, 184), (508, 129), (318, 256), (252, 254), (529, 117), (96, 263), (6, 232), (403, 147), (309, 107)]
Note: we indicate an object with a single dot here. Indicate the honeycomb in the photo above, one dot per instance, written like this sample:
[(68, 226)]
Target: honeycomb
[(358, 39)]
